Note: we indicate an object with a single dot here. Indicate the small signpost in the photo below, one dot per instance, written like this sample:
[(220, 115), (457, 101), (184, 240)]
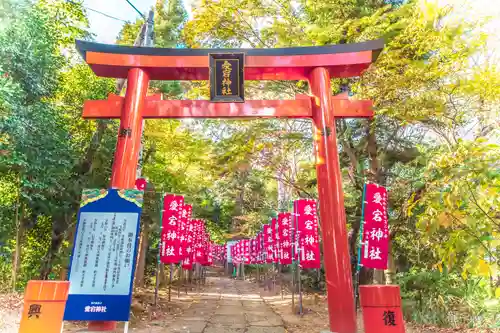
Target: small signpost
[(104, 253), (43, 309)]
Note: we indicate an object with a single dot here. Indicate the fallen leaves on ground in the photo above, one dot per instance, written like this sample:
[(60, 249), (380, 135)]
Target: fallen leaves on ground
[(11, 301)]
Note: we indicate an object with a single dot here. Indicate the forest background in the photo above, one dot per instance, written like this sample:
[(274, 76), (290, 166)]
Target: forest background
[(433, 142)]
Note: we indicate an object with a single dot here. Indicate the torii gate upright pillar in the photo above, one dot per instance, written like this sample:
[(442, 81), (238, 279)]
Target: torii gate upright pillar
[(126, 157), (129, 136), (333, 222)]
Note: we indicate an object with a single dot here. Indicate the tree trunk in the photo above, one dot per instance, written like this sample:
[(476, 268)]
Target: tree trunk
[(141, 258), (390, 272), (17, 252), (353, 241), (162, 275), (58, 228), (70, 238)]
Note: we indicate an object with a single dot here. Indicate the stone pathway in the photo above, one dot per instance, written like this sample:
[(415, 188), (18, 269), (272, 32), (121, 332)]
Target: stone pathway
[(225, 306)]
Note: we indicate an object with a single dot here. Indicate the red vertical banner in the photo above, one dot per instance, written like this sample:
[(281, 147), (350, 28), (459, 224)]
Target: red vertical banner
[(200, 242), (260, 248), (246, 251), (375, 243), (237, 253), (224, 253), (172, 212), (187, 263), (268, 243), (308, 234), (285, 235), (183, 230), (210, 259), (196, 240), (233, 252), (206, 249), (276, 240), (252, 251)]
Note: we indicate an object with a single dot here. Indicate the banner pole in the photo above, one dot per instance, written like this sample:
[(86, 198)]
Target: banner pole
[(300, 291), (274, 275), (299, 253), (358, 266), (198, 277), (281, 282), (158, 257), (294, 250), (170, 283), (179, 284)]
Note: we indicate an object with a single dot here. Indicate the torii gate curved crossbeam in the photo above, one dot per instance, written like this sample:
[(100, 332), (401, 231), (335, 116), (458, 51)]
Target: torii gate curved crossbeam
[(317, 64)]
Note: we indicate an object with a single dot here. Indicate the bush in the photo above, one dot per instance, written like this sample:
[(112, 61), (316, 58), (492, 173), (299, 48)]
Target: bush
[(443, 299)]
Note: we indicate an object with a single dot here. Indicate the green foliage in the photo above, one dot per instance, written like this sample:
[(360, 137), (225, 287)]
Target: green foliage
[(459, 206), (42, 137), (431, 297)]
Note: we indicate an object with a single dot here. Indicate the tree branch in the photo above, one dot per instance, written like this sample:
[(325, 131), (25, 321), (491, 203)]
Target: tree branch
[(481, 208)]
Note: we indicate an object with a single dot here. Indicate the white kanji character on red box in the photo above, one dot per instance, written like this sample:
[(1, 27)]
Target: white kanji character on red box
[(375, 253), (377, 215), (307, 210), (376, 234), (377, 198), (171, 235), (173, 205), (309, 239), (308, 225), (170, 251), (310, 256), (172, 220)]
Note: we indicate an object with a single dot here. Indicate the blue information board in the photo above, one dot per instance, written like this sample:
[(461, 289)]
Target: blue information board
[(104, 255)]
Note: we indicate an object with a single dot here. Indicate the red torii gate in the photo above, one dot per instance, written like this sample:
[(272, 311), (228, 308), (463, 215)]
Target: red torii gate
[(316, 64)]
